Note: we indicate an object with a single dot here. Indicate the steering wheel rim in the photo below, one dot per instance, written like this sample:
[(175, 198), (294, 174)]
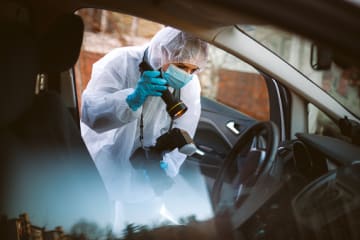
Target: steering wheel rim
[(272, 142)]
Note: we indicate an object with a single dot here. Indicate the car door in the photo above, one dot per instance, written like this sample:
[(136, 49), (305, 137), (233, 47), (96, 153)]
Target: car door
[(234, 96)]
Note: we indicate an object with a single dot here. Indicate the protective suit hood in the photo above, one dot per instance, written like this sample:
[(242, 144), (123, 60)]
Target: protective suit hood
[(170, 45)]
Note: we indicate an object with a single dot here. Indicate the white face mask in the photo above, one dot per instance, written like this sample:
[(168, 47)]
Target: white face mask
[(176, 77)]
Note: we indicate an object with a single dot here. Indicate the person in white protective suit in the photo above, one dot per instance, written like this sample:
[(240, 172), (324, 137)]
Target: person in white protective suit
[(122, 110)]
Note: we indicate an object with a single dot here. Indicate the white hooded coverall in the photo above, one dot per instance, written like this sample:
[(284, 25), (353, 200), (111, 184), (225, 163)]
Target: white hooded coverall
[(111, 129)]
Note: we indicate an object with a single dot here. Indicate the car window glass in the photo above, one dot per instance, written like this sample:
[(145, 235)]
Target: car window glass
[(321, 124), (236, 84), (105, 31), (342, 83), (225, 79)]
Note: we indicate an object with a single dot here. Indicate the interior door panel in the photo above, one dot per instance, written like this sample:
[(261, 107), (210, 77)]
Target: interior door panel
[(218, 130)]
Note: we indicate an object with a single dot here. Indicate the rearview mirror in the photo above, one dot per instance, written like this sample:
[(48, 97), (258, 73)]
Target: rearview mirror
[(320, 57)]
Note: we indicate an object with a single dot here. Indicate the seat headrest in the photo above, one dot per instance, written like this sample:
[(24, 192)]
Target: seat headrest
[(61, 43), (19, 65), (23, 56)]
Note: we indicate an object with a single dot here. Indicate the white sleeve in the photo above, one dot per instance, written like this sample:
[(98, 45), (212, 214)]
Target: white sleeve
[(190, 95), (104, 105)]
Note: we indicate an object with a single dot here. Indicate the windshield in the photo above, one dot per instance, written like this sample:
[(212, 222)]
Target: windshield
[(340, 82)]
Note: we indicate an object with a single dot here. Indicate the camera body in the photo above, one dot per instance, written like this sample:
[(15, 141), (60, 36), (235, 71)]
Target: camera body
[(176, 138)]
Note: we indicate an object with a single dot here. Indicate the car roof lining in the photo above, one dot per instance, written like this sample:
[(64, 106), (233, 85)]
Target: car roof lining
[(340, 17)]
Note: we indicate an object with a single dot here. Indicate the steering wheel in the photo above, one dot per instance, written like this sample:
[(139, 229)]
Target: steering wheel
[(251, 155)]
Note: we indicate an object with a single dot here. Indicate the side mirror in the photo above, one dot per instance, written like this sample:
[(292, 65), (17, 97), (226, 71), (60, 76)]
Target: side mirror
[(320, 57)]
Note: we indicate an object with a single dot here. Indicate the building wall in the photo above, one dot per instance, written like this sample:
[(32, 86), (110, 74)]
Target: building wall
[(246, 92)]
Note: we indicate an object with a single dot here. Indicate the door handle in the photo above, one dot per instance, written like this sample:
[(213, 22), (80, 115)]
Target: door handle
[(232, 126)]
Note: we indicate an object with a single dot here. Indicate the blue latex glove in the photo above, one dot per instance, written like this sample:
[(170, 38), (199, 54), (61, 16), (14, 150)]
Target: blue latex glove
[(150, 84), (163, 165)]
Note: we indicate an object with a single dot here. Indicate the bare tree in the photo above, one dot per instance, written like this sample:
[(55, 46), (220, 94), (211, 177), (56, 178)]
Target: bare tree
[(86, 230)]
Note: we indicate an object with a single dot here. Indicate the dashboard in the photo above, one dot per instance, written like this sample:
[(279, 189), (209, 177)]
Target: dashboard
[(319, 196)]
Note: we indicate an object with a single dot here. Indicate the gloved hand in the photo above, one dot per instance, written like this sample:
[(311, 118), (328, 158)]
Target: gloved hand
[(150, 84), (148, 164)]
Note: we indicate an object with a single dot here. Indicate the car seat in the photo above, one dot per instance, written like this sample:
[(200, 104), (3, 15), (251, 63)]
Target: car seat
[(45, 168)]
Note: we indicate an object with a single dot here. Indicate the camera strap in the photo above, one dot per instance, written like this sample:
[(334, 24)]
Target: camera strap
[(142, 127)]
